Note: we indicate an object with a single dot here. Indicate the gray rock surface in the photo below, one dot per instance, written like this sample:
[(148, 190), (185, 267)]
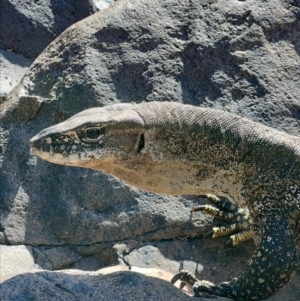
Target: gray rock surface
[(16, 260), (12, 68), (27, 27), (64, 286), (101, 4), (87, 286), (240, 56)]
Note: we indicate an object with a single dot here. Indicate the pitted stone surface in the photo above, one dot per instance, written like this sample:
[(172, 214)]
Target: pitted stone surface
[(239, 56)]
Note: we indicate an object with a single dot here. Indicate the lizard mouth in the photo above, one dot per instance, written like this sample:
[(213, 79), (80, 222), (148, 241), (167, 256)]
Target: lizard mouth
[(44, 148), (38, 145), (35, 145), (33, 149)]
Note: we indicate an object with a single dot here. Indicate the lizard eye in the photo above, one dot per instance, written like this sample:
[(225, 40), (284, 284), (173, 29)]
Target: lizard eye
[(94, 133)]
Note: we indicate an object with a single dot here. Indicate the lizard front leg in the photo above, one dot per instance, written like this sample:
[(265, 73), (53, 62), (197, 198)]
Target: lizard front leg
[(273, 264)]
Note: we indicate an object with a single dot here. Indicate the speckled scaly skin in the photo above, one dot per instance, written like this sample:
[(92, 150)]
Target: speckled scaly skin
[(170, 148)]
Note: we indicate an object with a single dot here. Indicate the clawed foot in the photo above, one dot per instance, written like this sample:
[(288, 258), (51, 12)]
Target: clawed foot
[(223, 209), (199, 287)]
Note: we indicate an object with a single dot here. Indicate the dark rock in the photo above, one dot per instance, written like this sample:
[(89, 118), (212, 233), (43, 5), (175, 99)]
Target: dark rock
[(2, 238), (89, 263), (2, 99), (42, 285), (242, 58), (27, 27), (55, 258), (239, 56), (50, 286)]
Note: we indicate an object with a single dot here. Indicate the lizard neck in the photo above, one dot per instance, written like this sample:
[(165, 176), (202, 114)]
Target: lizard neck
[(212, 149), (184, 152)]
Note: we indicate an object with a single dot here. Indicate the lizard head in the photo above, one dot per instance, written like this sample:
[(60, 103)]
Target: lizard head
[(92, 138)]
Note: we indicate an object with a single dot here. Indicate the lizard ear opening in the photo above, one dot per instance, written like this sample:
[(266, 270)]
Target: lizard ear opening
[(141, 143)]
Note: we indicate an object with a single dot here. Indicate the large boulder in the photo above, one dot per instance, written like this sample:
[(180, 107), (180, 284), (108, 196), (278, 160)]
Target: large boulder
[(158, 260), (27, 27), (86, 286), (240, 56)]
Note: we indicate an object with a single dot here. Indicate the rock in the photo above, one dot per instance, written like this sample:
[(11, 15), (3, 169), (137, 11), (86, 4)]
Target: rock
[(13, 67), (16, 260), (2, 239), (80, 285), (2, 99), (240, 56), (151, 256), (55, 258), (89, 263), (101, 4), (87, 286), (27, 27)]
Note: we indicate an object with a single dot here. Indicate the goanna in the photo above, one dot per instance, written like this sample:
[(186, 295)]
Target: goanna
[(176, 149)]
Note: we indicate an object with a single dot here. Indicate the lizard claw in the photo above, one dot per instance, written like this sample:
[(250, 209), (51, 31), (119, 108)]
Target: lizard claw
[(190, 280), (185, 277), (228, 244), (182, 285), (240, 227), (208, 234)]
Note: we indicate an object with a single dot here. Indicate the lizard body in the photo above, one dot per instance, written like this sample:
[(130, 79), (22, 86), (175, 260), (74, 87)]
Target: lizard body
[(176, 149)]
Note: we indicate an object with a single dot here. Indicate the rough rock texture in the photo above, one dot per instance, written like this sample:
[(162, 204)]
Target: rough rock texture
[(12, 68), (27, 27), (66, 286), (16, 260), (85, 286), (240, 56), (101, 4), (69, 286)]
